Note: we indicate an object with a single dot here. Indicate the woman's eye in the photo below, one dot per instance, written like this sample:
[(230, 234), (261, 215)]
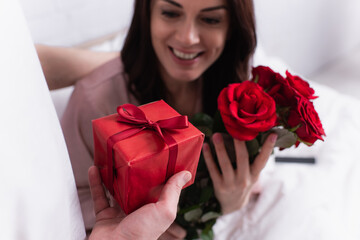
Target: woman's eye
[(211, 21), (170, 14)]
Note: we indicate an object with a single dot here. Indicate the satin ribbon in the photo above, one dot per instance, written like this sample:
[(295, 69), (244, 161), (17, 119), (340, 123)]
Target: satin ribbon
[(133, 115)]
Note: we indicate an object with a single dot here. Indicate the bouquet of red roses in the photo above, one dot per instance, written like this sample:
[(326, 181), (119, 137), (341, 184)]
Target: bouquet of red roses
[(250, 111)]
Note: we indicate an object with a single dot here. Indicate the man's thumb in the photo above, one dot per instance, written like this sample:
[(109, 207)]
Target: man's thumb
[(172, 189)]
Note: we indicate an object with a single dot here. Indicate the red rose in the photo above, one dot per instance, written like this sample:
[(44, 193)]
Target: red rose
[(266, 77), (275, 85), (301, 86), (246, 110), (307, 120)]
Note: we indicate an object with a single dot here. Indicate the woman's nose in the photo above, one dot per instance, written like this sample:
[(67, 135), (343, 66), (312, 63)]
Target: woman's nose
[(188, 34)]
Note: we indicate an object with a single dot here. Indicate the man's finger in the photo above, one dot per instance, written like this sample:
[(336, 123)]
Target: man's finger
[(97, 190)]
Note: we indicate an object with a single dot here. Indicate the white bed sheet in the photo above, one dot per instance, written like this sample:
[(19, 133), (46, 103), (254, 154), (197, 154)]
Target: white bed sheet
[(308, 201), (38, 199)]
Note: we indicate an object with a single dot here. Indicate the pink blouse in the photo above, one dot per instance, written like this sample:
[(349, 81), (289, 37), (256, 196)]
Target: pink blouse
[(96, 95)]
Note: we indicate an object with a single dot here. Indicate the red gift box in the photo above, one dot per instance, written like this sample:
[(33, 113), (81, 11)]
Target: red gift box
[(139, 148)]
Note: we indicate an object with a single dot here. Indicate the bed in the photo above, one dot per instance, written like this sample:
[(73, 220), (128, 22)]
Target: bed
[(38, 199)]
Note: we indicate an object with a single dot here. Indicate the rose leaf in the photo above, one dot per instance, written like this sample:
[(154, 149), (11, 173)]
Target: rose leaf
[(193, 215), (202, 119), (188, 209), (205, 130), (207, 233), (218, 123), (209, 216), (206, 194), (285, 138)]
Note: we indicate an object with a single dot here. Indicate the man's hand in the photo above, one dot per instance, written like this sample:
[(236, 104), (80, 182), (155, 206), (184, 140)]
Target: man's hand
[(148, 222)]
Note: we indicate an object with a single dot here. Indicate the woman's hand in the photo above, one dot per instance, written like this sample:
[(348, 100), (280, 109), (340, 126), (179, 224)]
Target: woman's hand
[(148, 222), (233, 186)]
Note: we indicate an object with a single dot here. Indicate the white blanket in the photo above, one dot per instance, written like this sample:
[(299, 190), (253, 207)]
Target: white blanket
[(308, 201), (38, 199)]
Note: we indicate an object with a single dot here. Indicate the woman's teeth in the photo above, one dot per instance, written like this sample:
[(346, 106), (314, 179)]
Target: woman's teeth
[(185, 56)]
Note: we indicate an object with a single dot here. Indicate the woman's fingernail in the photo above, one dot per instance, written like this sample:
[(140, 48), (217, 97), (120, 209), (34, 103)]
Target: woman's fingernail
[(273, 138), (216, 138)]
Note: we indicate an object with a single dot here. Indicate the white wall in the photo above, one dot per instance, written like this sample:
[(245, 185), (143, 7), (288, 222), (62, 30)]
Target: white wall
[(71, 22), (307, 34)]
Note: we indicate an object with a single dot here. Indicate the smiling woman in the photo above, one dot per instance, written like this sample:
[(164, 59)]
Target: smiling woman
[(187, 38), (149, 50), (182, 51)]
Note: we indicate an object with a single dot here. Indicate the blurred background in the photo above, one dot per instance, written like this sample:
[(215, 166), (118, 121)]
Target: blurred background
[(319, 40)]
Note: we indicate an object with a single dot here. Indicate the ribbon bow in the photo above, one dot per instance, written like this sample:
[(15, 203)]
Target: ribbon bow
[(133, 115)]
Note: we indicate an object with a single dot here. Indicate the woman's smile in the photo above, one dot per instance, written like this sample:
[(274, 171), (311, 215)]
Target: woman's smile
[(185, 56)]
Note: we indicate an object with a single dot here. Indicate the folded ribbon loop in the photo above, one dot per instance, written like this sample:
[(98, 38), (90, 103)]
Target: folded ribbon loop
[(133, 115)]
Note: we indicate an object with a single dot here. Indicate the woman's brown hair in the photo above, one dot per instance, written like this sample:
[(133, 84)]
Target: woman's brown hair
[(140, 61)]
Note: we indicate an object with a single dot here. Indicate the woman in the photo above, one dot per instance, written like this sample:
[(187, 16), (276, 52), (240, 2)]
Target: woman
[(183, 51)]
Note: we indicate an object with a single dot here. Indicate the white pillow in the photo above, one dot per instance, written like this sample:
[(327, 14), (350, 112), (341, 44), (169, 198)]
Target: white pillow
[(38, 197)]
